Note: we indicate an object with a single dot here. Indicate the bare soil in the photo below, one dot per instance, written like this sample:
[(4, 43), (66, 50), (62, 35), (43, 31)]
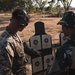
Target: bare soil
[(50, 24)]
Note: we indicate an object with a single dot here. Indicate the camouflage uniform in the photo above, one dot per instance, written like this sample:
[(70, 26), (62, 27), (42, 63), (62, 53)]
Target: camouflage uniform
[(12, 56), (65, 55), (12, 48)]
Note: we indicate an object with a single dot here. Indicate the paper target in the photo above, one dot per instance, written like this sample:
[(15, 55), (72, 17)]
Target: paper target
[(46, 41), (35, 42), (48, 60), (62, 38), (37, 64)]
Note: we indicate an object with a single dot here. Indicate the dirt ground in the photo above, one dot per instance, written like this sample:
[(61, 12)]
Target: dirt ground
[(50, 24)]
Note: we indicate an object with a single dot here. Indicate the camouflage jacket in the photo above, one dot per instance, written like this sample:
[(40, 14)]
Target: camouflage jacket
[(12, 56), (64, 58), (64, 54)]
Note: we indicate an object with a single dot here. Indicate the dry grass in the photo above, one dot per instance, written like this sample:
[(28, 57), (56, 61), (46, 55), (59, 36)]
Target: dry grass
[(50, 24)]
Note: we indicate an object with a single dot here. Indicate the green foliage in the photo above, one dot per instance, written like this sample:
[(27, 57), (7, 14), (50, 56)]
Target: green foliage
[(7, 5), (50, 7), (66, 4), (35, 5), (41, 4)]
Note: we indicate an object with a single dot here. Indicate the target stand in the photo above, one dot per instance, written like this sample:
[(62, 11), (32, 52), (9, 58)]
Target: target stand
[(42, 42)]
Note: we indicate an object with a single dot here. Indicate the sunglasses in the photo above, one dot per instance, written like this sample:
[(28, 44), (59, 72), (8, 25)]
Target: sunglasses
[(23, 24)]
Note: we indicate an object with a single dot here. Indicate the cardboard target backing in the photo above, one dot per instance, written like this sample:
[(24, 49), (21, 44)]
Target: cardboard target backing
[(48, 60), (37, 65), (41, 42), (46, 41), (35, 42), (63, 39)]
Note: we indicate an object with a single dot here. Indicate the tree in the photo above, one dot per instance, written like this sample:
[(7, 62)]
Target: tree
[(66, 4), (21, 4), (26, 4), (29, 5), (41, 4), (7, 5), (51, 4)]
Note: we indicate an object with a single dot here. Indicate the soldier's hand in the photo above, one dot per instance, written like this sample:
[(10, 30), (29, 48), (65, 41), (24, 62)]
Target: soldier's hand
[(35, 53), (30, 51)]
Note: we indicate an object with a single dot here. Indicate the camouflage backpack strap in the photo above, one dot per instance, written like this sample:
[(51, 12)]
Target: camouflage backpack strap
[(71, 42)]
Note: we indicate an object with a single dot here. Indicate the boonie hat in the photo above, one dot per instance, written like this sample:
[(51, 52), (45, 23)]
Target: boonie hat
[(68, 19)]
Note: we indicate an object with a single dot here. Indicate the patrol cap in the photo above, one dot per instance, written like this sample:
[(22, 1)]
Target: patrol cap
[(68, 19), (20, 14)]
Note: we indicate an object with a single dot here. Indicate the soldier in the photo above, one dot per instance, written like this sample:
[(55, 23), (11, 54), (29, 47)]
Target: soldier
[(65, 55), (12, 48)]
